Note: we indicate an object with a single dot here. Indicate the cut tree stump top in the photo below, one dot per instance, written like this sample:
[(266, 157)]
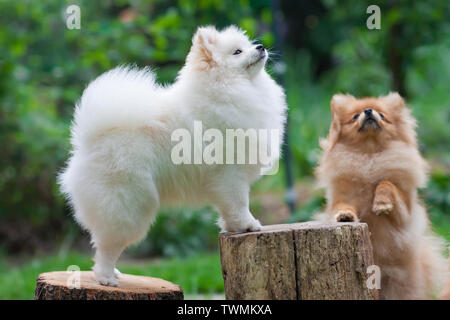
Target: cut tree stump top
[(62, 285), (289, 227)]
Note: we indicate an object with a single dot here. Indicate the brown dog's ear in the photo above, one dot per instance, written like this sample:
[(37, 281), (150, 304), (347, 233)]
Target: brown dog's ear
[(406, 123), (333, 135), (393, 100), (338, 102), (203, 42)]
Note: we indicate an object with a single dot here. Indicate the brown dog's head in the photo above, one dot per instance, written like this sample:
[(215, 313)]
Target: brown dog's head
[(369, 123)]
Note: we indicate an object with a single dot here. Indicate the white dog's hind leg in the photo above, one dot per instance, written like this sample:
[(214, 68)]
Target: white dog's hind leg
[(109, 245), (105, 259), (113, 200), (108, 249), (123, 215)]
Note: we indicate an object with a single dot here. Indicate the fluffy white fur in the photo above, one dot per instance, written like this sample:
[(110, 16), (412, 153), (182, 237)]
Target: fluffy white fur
[(120, 170)]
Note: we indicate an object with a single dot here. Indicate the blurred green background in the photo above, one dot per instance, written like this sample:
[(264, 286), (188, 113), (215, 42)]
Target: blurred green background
[(327, 48)]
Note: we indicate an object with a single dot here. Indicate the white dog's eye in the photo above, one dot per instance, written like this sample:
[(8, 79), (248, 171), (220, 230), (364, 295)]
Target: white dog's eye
[(237, 52)]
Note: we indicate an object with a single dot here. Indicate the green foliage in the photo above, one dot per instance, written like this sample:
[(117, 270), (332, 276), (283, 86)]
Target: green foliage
[(306, 211), (437, 194), (180, 233), (437, 201), (374, 61), (308, 104)]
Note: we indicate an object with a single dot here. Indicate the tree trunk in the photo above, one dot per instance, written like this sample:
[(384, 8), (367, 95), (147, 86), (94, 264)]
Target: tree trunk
[(300, 261), (396, 60), (81, 285)]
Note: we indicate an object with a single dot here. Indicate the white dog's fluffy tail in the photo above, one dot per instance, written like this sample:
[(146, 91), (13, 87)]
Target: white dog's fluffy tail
[(118, 98)]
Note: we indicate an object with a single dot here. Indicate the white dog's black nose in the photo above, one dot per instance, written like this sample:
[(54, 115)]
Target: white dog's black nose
[(260, 47), (368, 112)]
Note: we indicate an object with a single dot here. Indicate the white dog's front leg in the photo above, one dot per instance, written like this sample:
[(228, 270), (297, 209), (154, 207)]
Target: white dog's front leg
[(232, 201)]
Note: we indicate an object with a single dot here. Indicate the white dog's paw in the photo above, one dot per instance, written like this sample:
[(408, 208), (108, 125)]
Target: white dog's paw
[(253, 225), (117, 273), (110, 281), (247, 225), (105, 277)]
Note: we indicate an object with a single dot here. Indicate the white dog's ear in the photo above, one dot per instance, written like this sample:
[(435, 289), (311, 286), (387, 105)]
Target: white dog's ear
[(202, 51), (393, 100)]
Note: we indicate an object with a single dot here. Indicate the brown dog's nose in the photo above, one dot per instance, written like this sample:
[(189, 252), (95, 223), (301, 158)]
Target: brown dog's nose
[(260, 47), (368, 112)]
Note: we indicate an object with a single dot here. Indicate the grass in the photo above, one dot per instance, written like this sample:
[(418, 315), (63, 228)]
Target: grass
[(199, 274)]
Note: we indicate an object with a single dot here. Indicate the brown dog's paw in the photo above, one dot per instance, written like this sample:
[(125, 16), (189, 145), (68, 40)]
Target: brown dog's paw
[(382, 208), (345, 216)]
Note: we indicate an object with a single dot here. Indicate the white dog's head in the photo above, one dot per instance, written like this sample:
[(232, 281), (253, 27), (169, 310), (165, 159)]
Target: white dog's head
[(226, 53)]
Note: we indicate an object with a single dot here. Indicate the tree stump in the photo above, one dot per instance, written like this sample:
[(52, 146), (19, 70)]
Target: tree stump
[(301, 261), (81, 285)]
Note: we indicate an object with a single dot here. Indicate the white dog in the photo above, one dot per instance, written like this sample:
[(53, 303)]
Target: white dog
[(121, 170)]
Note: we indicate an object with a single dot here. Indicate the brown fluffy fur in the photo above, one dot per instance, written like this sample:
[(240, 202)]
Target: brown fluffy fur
[(371, 171), (445, 294)]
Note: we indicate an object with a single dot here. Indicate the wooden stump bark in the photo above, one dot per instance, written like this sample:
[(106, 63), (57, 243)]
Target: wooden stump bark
[(65, 285), (301, 261)]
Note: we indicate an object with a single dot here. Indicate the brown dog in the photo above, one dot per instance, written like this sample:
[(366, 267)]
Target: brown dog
[(371, 169), (445, 294)]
